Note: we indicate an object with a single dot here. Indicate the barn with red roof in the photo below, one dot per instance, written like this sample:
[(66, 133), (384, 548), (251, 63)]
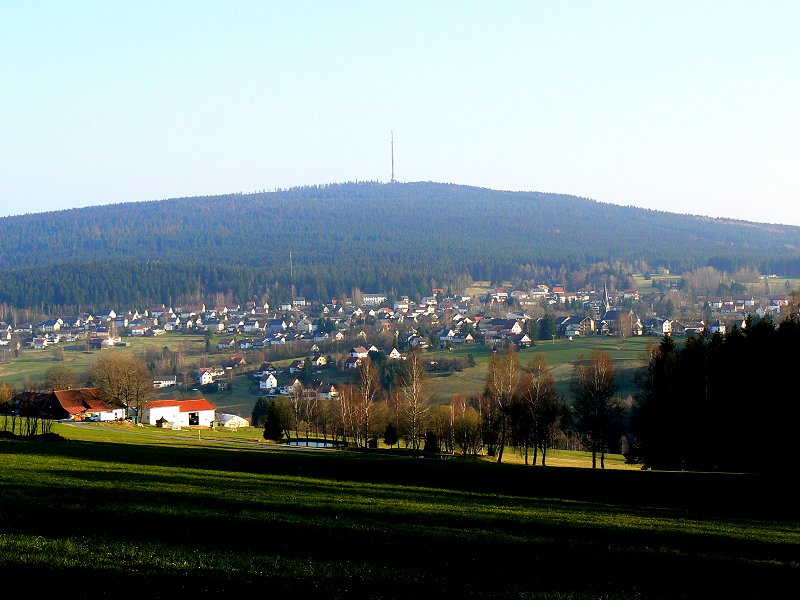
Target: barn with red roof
[(78, 404), (187, 413)]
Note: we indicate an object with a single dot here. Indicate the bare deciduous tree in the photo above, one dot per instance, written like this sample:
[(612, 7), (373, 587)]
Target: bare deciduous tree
[(368, 389), (416, 401), (124, 380), (543, 406), (501, 384), (596, 412), (61, 377)]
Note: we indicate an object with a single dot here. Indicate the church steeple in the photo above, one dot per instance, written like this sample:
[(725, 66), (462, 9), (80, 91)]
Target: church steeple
[(606, 299)]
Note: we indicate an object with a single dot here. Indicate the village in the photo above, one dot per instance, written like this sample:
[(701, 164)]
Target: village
[(329, 340)]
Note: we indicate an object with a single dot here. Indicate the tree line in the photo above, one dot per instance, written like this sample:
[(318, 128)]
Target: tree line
[(519, 407), (722, 402)]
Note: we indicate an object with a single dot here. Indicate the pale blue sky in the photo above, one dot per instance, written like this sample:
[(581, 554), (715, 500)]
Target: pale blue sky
[(682, 106)]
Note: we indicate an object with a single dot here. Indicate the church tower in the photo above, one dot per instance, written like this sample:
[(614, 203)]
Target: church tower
[(606, 299)]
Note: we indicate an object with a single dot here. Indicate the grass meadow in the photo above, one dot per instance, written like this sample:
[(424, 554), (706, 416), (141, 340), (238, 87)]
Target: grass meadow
[(110, 514), (32, 364), (628, 355)]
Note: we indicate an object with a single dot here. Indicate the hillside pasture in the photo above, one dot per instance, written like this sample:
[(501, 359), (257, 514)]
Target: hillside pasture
[(93, 517), (32, 364), (628, 355)]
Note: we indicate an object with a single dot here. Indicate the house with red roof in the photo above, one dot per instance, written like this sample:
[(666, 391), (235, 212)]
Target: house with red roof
[(187, 413), (79, 404)]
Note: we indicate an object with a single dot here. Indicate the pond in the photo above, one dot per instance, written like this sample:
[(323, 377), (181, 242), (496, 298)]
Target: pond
[(314, 443)]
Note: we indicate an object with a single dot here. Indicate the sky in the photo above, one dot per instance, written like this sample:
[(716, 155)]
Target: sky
[(684, 106)]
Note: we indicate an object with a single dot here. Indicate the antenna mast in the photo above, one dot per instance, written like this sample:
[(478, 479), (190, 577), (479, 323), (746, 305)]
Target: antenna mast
[(392, 144)]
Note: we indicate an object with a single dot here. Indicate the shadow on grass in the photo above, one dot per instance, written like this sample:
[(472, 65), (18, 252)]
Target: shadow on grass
[(450, 533), (706, 494)]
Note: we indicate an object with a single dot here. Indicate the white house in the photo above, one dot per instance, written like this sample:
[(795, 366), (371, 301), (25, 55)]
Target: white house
[(394, 354), (718, 327), (268, 382), (163, 381), (205, 376), (186, 413)]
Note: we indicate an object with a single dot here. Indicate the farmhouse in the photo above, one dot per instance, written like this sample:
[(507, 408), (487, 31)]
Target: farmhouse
[(187, 413), (80, 404)]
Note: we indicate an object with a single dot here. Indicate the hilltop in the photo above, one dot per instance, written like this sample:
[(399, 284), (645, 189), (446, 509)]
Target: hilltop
[(400, 237)]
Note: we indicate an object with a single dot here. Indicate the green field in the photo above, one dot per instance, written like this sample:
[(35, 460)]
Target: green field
[(773, 285), (110, 513), (628, 355), (645, 286), (32, 364)]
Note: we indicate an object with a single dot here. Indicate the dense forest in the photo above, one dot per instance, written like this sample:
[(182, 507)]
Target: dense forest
[(721, 403), (399, 237)]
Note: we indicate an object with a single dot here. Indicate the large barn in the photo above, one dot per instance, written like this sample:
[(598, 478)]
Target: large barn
[(79, 404), (187, 413)]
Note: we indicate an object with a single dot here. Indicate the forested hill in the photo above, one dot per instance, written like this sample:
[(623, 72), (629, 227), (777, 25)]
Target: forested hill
[(378, 237)]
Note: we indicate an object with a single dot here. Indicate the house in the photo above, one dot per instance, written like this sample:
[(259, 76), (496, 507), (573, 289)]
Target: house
[(297, 366), (251, 325), (327, 391), (394, 354), (402, 305), (78, 404), (319, 360), (373, 299), (305, 325), (238, 361), (416, 341), (696, 328), (359, 352), (353, 362), (717, 327), (575, 326), (187, 413), (40, 342), (164, 381), (522, 340), (505, 326), (205, 376), (268, 382), (658, 327), (266, 369), (50, 326), (215, 325), (276, 325)]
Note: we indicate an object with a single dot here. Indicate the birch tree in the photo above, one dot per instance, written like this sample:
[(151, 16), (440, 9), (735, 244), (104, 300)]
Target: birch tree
[(501, 384), (596, 412)]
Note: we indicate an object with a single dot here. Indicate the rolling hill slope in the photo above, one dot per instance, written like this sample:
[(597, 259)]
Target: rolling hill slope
[(378, 237)]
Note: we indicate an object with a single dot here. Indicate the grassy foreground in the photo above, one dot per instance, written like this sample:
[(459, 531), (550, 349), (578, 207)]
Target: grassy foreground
[(95, 517)]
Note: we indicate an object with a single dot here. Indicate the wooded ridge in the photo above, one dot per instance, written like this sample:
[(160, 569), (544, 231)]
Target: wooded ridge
[(374, 236)]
